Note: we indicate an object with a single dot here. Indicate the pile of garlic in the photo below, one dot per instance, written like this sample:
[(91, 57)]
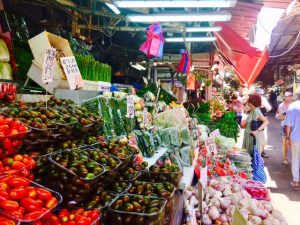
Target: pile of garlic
[(223, 195)]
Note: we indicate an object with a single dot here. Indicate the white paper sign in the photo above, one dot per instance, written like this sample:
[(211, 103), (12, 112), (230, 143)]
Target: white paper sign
[(130, 107), (215, 133), (145, 115), (203, 176), (211, 146), (104, 86), (72, 72), (49, 60)]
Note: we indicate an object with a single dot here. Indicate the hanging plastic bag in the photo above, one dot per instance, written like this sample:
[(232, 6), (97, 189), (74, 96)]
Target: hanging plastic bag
[(6, 71), (258, 167), (153, 46), (190, 82), (184, 65)]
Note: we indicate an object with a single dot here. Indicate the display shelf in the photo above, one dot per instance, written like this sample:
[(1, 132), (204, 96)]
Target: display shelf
[(152, 160), (188, 173)]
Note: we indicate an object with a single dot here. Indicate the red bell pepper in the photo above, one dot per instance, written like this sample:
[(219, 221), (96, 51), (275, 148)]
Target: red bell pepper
[(30, 204), (33, 215), (43, 194), (31, 192), (17, 193), (4, 195), (18, 182)]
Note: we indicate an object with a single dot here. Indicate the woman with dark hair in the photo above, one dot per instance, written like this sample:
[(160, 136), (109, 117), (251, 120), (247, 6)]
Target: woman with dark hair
[(237, 107), (255, 115)]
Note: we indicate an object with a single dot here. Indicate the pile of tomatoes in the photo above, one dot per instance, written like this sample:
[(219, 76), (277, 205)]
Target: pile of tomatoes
[(75, 217), (11, 134), (21, 200), (21, 165)]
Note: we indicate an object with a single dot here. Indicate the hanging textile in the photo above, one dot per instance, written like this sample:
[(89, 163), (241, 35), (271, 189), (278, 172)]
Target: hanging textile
[(184, 65), (153, 46)]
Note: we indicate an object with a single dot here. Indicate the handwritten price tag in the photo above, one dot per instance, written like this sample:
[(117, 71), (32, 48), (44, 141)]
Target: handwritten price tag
[(215, 133), (130, 107), (72, 72), (211, 146), (49, 59)]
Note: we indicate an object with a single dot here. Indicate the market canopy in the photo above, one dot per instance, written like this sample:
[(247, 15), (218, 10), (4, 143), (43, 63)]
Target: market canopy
[(246, 60)]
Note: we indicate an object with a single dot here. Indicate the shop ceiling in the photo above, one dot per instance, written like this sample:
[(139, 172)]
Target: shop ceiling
[(123, 38)]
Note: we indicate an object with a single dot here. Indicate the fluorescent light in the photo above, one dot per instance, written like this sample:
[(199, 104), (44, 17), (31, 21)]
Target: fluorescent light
[(176, 4), (113, 8), (203, 29), (138, 66), (180, 17), (191, 39)]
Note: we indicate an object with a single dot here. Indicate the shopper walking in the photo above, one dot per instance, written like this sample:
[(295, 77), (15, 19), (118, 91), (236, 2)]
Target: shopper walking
[(292, 132), (265, 108), (237, 107), (281, 113), (255, 115)]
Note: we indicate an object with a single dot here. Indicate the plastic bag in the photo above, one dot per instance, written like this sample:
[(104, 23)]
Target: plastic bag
[(165, 137), (185, 135), (4, 53), (5, 71), (175, 137), (258, 167)]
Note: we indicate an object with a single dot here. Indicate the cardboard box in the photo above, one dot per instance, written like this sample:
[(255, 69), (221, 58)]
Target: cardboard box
[(38, 45)]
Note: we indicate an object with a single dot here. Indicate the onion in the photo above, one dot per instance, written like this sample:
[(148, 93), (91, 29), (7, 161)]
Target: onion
[(210, 192), (255, 220), (230, 210), (213, 213), (213, 182), (206, 220), (224, 218), (218, 194), (236, 188), (218, 222), (234, 199), (227, 192), (245, 194), (244, 203), (267, 206), (245, 213), (261, 213), (215, 202), (225, 203)]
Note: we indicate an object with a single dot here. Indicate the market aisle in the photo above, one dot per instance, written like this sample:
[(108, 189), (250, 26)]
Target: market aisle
[(283, 197)]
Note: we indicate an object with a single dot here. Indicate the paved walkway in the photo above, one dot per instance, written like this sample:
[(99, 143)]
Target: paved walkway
[(283, 197)]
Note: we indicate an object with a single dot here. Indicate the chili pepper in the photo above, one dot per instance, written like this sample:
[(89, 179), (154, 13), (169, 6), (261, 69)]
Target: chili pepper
[(30, 204), (220, 171), (7, 144), (33, 215), (3, 195), (17, 165), (84, 221), (51, 203), (230, 172), (16, 214), (9, 205), (18, 182), (17, 193), (16, 143), (43, 194)]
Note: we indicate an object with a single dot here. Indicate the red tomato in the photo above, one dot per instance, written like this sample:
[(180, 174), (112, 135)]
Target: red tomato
[(30, 204), (18, 182), (17, 165), (17, 193), (43, 194), (9, 205), (84, 221), (31, 192), (94, 214), (8, 161), (51, 203), (33, 215), (63, 212)]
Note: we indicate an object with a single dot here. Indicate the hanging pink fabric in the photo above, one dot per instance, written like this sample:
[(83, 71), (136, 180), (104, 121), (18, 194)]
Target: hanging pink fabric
[(153, 46), (184, 65)]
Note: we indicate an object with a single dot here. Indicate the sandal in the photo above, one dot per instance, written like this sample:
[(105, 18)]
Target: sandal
[(295, 185), (285, 162), (264, 155)]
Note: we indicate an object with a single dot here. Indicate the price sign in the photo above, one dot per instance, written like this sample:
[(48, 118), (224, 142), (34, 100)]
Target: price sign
[(104, 86), (203, 176), (211, 146), (49, 60), (145, 115), (130, 107), (215, 133), (72, 72)]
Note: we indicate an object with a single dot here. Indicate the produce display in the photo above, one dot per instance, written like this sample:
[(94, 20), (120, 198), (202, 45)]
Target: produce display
[(24, 200), (8, 92), (224, 195), (93, 70), (74, 217), (137, 209)]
